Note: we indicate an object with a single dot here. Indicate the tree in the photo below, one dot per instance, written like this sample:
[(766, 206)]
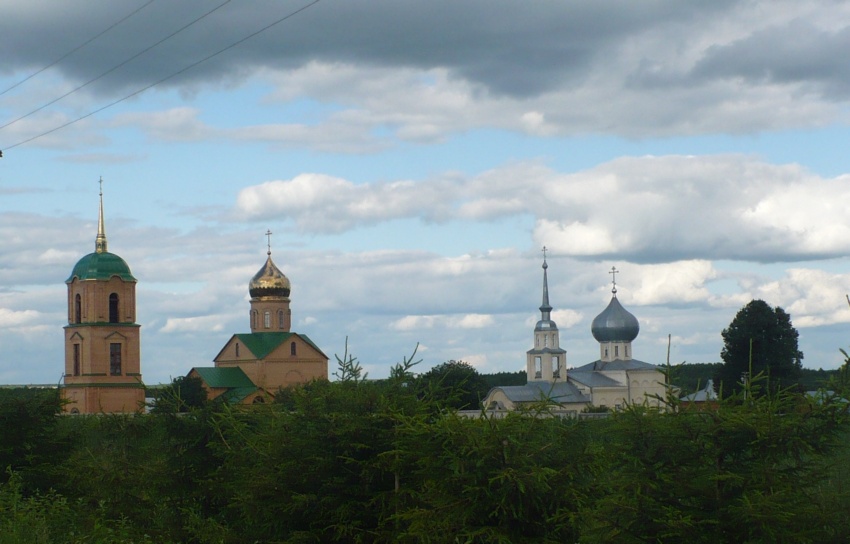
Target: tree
[(182, 395), (456, 383), (766, 336)]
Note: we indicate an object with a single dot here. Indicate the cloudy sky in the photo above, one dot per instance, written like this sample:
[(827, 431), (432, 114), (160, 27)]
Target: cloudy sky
[(412, 158)]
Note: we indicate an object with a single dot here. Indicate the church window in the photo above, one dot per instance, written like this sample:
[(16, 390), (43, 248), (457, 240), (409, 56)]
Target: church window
[(553, 341), (616, 351), (280, 319), (606, 353), (627, 350), (545, 341), (113, 308), (538, 341), (76, 359), (556, 367), (267, 319), (292, 349), (115, 359), (254, 315), (237, 349), (538, 367), (78, 309)]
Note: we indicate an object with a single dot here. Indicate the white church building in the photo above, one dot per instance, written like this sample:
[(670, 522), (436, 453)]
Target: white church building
[(613, 381)]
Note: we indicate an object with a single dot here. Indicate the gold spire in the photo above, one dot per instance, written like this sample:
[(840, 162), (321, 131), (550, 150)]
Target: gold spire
[(100, 241)]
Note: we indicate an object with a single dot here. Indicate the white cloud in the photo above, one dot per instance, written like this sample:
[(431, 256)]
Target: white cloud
[(477, 360), (565, 319), (670, 283), (654, 209), (417, 322), (179, 124), (193, 324), (812, 297), (474, 321), (12, 318)]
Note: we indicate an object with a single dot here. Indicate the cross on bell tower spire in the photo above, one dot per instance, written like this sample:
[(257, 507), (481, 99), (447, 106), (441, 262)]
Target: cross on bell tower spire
[(269, 242)]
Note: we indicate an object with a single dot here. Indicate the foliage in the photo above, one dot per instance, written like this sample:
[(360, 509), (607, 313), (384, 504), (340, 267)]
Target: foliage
[(692, 377), (369, 461), (499, 379), (29, 440), (348, 367), (454, 384), (185, 393), (840, 380), (516, 479), (760, 339), (747, 471)]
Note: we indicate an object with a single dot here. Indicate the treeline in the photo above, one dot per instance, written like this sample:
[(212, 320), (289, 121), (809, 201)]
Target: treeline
[(386, 461)]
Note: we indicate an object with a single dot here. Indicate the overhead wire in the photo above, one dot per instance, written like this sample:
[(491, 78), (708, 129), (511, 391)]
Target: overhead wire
[(175, 74), (74, 50), (119, 65)]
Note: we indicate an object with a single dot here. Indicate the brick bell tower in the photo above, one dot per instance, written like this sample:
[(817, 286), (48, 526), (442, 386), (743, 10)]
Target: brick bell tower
[(102, 341)]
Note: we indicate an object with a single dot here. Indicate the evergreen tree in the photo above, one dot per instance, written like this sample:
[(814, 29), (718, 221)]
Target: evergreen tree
[(764, 336)]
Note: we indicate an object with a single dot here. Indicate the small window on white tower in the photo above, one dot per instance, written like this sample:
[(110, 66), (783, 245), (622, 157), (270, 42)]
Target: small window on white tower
[(616, 351), (545, 341), (556, 367), (267, 319), (538, 367), (554, 345)]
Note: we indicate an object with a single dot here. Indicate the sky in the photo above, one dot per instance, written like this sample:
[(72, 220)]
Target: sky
[(413, 158)]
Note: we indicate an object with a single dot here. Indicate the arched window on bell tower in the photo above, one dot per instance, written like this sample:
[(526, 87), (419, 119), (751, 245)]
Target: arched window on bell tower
[(280, 320), (78, 309), (113, 308)]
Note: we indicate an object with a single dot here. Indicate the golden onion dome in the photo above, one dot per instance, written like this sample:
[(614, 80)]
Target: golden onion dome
[(269, 281)]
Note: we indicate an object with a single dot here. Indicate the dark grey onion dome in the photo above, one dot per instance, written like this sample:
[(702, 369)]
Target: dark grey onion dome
[(615, 324)]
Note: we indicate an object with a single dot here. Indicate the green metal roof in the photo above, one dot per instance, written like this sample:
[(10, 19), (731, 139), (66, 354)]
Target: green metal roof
[(263, 343), (237, 394), (231, 377), (101, 266)]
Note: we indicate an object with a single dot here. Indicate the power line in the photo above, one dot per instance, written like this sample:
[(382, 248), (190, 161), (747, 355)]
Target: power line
[(119, 65), (74, 50), (175, 74)]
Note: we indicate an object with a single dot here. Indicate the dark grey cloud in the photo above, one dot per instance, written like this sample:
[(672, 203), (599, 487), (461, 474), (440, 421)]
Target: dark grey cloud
[(796, 52), (506, 47)]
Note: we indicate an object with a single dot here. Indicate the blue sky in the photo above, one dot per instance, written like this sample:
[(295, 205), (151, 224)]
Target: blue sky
[(413, 158)]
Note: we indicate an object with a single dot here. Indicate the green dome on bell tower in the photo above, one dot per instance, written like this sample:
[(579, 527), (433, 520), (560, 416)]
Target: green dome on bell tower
[(100, 265)]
